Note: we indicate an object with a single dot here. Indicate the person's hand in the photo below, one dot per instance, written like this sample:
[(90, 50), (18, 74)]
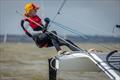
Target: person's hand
[(47, 20)]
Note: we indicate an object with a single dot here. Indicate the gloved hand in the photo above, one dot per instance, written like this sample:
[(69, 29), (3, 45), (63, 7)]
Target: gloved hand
[(47, 20)]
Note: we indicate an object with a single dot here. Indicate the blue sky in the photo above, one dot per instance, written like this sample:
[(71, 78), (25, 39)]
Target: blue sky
[(91, 17)]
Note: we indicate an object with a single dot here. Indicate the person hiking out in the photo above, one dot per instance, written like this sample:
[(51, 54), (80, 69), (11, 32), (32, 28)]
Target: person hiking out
[(39, 33)]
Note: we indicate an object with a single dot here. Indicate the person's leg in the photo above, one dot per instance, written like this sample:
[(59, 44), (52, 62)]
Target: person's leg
[(70, 45), (54, 40), (58, 42), (40, 39)]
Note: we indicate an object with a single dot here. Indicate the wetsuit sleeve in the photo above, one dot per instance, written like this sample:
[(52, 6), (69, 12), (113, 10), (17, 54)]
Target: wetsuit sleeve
[(22, 25)]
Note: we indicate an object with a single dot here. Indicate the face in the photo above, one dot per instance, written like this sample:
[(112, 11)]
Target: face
[(32, 13)]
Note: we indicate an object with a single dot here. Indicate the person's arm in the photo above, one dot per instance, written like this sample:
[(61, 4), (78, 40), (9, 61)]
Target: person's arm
[(22, 25)]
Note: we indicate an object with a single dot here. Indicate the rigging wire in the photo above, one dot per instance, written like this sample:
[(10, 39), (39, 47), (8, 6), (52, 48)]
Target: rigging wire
[(70, 29), (58, 12), (77, 32)]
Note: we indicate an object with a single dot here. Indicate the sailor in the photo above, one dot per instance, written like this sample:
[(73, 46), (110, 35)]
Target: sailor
[(39, 33)]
